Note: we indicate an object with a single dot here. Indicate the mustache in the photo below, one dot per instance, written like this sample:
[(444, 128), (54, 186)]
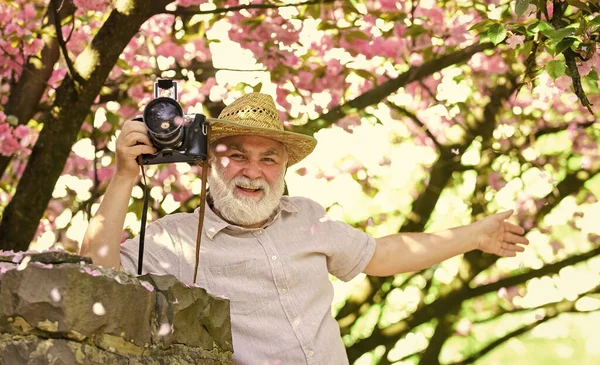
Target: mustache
[(246, 182)]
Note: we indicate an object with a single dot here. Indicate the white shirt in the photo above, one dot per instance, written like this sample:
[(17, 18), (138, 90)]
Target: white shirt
[(276, 277)]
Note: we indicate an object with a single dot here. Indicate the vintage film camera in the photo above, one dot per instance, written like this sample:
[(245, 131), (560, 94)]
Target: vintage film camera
[(178, 137)]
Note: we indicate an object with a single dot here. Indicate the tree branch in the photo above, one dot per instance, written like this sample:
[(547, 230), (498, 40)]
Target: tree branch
[(25, 95), (62, 124), (382, 91), (559, 8), (549, 306), (193, 10), (549, 130), (63, 46), (423, 207), (552, 310), (521, 278), (419, 123)]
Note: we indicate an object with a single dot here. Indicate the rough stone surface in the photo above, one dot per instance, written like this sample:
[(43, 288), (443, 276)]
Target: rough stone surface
[(34, 350), (70, 313)]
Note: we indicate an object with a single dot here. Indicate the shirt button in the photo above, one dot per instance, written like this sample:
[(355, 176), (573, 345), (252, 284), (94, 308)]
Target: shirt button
[(310, 353), (284, 291), (273, 257), (297, 322), (258, 233)]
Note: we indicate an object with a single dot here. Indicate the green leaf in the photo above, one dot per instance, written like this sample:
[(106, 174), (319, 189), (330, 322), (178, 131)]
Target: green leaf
[(414, 30), (365, 74), (558, 34), (564, 44), (357, 34), (544, 26), (112, 119), (581, 5), (555, 68), (520, 7), (497, 33), (595, 21), (314, 11), (481, 26)]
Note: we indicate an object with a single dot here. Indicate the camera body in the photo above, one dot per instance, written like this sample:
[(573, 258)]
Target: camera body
[(178, 137)]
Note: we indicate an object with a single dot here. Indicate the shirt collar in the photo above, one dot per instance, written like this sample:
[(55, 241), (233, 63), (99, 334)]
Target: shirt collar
[(214, 224)]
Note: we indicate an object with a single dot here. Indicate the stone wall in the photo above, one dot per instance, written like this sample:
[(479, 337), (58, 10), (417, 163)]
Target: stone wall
[(57, 308)]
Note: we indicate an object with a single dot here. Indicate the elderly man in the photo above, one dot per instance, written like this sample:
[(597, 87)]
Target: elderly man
[(270, 254)]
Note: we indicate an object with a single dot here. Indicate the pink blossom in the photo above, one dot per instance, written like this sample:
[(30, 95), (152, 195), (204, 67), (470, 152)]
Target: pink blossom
[(90, 271), (515, 40), (34, 46), (186, 3), (388, 5), (416, 59), (147, 285), (167, 49), (496, 181), (137, 92), (17, 257), (95, 5), (21, 131), (556, 246), (348, 122), (43, 265), (563, 83), (585, 68), (9, 146)]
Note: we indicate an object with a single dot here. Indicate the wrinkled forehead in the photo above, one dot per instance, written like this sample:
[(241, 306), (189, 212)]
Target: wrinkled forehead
[(249, 143)]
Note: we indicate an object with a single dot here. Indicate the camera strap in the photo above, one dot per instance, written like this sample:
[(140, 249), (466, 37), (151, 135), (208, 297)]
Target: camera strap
[(201, 211), (206, 130)]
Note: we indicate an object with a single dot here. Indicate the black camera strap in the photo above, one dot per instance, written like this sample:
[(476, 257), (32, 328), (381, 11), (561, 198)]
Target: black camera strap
[(200, 213), (144, 216)]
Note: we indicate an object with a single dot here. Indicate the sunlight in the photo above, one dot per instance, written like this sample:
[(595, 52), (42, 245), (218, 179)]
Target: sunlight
[(591, 217)]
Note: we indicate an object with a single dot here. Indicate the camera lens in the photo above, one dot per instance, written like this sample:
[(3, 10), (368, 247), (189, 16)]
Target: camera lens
[(164, 118)]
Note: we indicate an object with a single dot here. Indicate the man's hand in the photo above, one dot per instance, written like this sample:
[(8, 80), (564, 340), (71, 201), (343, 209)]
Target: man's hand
[(496, 236), (132, 142)]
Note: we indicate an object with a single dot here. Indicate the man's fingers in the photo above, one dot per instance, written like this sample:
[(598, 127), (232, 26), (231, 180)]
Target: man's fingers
[(513, 238), (513, 228), (505, 215), (507, 253), (133, 126), (141, 149), (512, 247), (134, 138)]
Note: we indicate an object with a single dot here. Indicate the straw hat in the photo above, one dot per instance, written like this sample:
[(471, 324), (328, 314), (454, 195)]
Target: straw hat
[(255, 114)]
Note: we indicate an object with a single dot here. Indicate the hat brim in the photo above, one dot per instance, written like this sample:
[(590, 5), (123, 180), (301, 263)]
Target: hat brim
[(298, 146)]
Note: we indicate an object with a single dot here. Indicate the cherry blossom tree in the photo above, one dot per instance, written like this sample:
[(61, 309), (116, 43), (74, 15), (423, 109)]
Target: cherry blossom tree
[(476, 106)]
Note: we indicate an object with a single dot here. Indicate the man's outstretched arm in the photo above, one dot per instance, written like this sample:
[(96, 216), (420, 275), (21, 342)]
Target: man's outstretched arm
[(102, 239), (407, 252)]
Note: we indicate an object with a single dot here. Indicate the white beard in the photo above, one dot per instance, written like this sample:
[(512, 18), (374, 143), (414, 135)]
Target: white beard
[(243, 210)]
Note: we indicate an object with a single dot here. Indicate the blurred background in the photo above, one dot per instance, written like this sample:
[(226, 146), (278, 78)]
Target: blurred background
[(428, 115)]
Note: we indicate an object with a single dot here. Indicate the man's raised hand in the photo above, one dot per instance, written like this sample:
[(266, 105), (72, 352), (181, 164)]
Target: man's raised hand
[(497, 236)]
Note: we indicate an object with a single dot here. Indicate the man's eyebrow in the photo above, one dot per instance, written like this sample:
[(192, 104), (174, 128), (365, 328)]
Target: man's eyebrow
[(270, 153), (240, 148), (237, 147)]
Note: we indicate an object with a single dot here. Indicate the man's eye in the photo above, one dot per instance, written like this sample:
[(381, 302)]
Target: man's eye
[(267, 159), (237, 156)]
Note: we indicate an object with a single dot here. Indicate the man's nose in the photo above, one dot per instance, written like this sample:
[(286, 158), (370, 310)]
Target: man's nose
[(252, 170)]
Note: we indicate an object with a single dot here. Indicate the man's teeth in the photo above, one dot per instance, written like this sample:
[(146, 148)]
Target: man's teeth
[(248, 187)]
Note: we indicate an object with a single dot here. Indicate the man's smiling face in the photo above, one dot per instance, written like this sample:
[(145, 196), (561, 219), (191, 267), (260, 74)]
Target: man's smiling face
[(247, 178)]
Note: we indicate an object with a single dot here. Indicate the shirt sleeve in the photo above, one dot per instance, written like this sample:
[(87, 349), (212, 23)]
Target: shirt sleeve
[(160, 252), (348, 249)]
